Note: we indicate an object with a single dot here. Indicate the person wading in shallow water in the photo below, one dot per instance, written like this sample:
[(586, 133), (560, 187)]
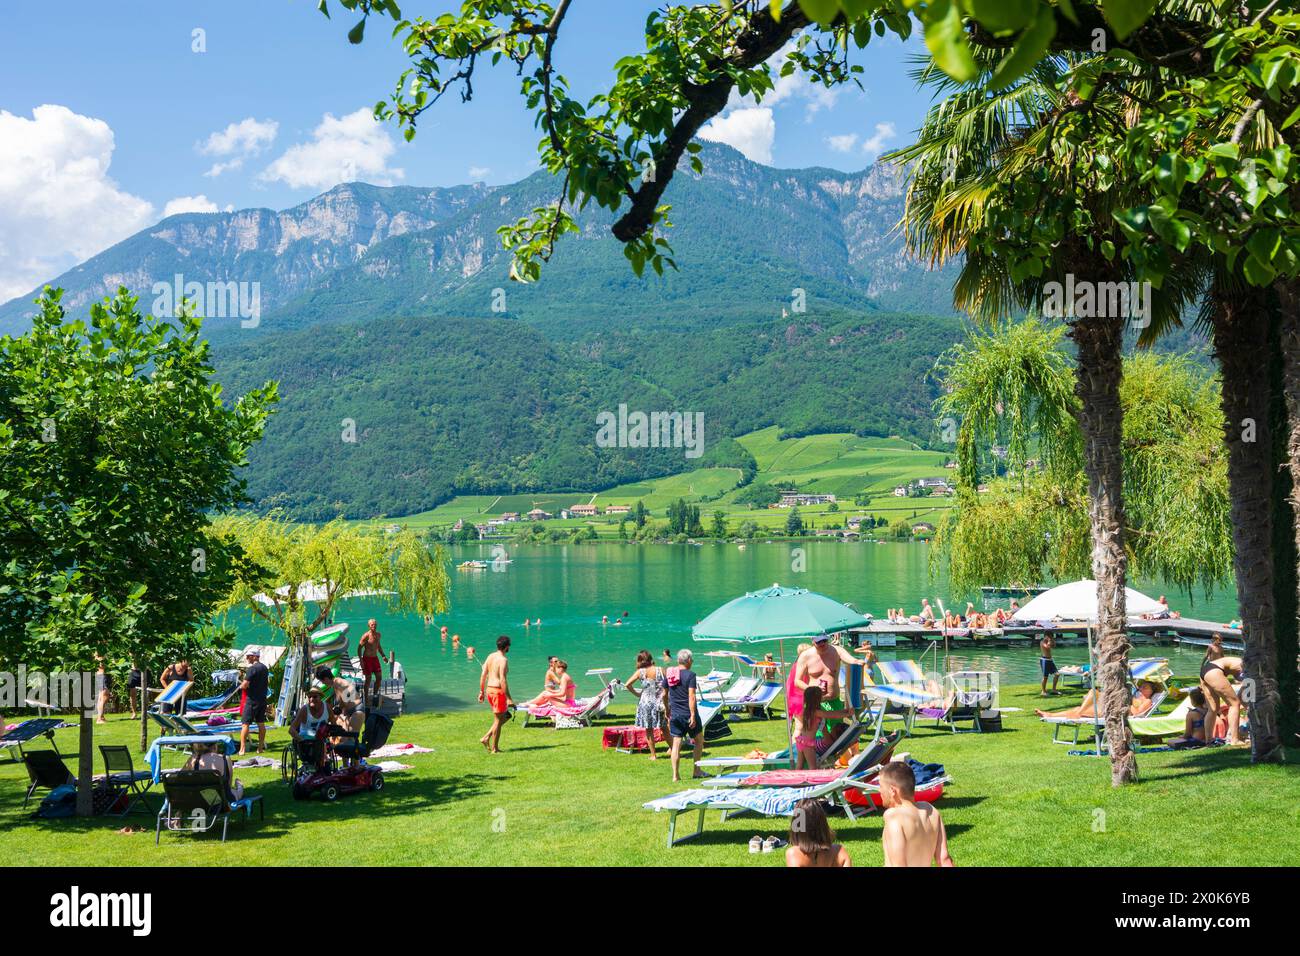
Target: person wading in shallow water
[(495, 688)]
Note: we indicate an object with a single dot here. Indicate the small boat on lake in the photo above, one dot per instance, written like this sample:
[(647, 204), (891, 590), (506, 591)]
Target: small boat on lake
[(472, 566)]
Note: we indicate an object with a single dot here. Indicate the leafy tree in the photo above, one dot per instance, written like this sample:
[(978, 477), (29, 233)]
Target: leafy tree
[(719, 529), (286, 561), (116, 446), (640, 514), (747, 529), (793, 523)]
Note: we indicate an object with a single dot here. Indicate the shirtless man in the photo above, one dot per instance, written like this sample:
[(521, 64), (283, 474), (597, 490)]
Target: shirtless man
[(494, 687), (913, 833), (1215, 671), (1046, 665), (372, 653), (820, 666)]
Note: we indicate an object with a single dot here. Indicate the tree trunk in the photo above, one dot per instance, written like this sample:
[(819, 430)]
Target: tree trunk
[(144, 709), (1240, 325), (1289, 350), (85, 765), (1101, 421)]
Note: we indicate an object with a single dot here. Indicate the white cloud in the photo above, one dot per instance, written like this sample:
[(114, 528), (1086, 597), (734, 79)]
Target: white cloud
[(341, 149), (874, 145), (750, 130), (842, 144), (479, 173), (239, 140), (199, 203), (58, 204)]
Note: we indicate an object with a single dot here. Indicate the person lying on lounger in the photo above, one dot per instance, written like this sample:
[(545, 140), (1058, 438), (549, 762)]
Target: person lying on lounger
[(1088, 708)]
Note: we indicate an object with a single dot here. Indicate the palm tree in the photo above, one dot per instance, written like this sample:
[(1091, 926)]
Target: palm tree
[(976, 159)]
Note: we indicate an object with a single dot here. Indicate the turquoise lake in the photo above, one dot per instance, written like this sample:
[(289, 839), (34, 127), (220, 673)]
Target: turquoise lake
[(665, 589)]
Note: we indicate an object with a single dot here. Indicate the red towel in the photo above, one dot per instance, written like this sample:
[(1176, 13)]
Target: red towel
[(629, 738)]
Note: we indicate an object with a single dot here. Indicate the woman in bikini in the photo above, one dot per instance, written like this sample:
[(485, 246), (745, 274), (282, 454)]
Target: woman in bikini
[(1216, 670), (559, 686), (1140, 706)]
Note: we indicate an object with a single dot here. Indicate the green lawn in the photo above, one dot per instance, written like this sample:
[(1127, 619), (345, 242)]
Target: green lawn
[(555, 797)]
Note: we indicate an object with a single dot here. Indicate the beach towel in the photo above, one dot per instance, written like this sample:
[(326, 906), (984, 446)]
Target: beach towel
[(255, 762), (399, 750), (629, 738), (770, 801), (392, 766)]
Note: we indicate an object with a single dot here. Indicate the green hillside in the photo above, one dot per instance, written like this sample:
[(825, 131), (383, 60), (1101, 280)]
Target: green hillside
[(842, 464)]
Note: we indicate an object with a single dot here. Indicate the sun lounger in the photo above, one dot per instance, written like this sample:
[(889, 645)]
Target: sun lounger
[(761, 700), (578, 714), (197, 799), (1171, 724), (28, 731), (968, 697), (877, 752), (765, 801), (173, 695), (737, 693), (46, 770), (1096, 724)]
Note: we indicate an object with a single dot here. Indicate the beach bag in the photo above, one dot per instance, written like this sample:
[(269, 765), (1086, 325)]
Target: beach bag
[(59, 802)]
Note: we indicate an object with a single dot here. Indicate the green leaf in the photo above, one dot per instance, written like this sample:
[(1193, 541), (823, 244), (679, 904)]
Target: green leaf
[(1028, 50), (821, 11), (1257, 273), (946, 41), (1125, 16), (1003, 16), (356, 34)]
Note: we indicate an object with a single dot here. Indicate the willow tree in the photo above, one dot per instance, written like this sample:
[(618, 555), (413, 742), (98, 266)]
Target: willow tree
[(294, 575), (1011, 386)]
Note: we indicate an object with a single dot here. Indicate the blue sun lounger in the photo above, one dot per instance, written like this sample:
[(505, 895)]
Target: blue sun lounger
[(173, 695), (28, 731)]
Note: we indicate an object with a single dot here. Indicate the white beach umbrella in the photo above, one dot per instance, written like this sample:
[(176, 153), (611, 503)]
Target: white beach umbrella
[(1077, 601)]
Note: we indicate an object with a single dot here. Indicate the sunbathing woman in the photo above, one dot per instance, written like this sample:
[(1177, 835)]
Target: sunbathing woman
[(1140, 706), (813, 715), (559, 685), (1218, 690)]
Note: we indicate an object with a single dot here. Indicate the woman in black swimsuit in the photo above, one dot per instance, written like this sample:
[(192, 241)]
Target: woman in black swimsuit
[(1218, 690)]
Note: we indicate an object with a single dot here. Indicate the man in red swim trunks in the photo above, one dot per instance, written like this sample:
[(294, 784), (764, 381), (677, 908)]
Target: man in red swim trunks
[(372, 654), (494, 686)]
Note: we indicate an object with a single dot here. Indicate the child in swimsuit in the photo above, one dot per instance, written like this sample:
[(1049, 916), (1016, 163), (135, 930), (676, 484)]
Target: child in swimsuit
[(813, 715)]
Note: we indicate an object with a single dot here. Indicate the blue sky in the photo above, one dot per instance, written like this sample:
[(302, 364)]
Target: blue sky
[(109, 118)]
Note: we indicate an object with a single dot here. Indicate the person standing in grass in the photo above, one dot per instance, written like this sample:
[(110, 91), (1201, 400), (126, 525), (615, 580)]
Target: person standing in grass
[(650, 698), (684, 713), (253, 710), (914, 834), (494, 686), (1046, 665), (812, 841)]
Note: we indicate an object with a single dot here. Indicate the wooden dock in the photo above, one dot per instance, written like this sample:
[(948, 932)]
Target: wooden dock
[(1182, 630)]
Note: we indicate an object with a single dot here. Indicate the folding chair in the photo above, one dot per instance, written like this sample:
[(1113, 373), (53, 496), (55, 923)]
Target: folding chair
[(46, 770), (120, 774)]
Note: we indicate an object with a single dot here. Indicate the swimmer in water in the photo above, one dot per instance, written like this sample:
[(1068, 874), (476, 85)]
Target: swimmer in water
[(469, 653), (619, 622), (604, 619), (526, 624), (538, 622)]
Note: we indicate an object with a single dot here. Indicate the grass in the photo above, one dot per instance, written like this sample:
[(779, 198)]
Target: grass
[(555, 797)]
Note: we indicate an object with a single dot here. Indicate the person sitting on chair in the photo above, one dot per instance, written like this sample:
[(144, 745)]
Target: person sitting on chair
[(348, 718), (309, 724), (208, 757)]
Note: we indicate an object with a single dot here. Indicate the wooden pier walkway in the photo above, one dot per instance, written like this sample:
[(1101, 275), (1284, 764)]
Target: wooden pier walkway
[(1181, 629)]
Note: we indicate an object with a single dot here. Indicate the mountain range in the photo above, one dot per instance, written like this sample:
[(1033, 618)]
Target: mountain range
[(794, 304)]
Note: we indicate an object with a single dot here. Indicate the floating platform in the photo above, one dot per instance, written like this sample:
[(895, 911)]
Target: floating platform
[(1182, 630)]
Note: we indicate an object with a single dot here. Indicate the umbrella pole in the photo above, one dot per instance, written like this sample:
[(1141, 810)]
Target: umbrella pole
[(1096, 695), (788, 744)]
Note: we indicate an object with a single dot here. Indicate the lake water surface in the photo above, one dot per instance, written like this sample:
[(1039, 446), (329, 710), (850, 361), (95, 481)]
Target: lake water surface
[(665, 589)]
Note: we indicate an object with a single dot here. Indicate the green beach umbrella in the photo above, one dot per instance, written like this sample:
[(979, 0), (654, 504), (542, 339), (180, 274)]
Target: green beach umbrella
[(776, 613)]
